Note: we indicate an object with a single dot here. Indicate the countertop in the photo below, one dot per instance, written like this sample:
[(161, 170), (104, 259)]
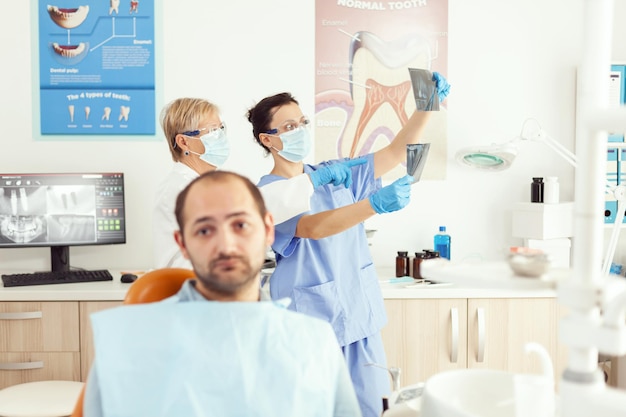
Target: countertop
[(116, 290)]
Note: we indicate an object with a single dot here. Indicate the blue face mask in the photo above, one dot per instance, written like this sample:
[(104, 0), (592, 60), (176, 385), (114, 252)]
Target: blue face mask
[(216, 148), (296, 144)]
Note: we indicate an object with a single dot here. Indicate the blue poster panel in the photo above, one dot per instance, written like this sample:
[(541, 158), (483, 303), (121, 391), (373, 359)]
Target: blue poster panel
[(97, 67)]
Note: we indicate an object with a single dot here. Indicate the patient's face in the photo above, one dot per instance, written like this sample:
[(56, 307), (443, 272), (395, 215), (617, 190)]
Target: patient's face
[(225, 238)]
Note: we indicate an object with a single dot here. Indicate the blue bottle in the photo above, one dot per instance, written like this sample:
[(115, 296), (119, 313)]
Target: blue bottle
[(442, 243)]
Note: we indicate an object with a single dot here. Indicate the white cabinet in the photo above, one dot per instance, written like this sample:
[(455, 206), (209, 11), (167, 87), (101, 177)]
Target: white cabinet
[(427, 336)]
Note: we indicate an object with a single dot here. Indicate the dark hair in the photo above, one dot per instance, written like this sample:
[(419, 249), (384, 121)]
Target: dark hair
[(218, 176), (261, 115)]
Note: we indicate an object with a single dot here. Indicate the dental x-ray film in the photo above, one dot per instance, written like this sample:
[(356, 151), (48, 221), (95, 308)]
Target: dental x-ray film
[(416, 154), (424, 90)]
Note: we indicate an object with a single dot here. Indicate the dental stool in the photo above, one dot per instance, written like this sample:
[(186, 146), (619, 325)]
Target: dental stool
[(40, 399)]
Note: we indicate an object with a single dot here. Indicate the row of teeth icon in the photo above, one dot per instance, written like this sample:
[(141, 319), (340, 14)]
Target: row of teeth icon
[(69, 51), (68, 18), (124, 112)]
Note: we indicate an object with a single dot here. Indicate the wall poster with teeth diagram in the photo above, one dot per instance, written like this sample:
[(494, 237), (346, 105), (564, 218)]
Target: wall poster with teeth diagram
[(363, 90), (96, 62)]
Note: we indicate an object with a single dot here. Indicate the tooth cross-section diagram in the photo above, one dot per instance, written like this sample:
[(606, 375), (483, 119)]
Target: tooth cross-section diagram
[(380, 87)]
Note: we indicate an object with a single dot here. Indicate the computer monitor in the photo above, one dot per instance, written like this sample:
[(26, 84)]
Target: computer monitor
[(61, 210)]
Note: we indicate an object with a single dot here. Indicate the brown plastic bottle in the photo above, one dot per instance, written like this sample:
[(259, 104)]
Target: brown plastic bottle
[(419, 257), (402, 264)]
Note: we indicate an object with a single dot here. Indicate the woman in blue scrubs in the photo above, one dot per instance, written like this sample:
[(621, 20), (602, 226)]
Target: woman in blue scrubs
[(323, 260)]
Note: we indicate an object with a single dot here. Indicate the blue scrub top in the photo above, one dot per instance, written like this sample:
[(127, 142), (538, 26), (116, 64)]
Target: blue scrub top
[(331, 278)]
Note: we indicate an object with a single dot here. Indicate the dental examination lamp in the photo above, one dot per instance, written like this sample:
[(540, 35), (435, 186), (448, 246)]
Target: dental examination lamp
[(498, 157)]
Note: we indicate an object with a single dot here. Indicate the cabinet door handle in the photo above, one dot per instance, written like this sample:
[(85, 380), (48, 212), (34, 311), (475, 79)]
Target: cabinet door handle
[(480, 315), (16, 366), (21, 316), (454, 317)]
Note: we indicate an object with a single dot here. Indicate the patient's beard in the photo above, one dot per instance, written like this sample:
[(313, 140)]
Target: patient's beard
[(230, 282)]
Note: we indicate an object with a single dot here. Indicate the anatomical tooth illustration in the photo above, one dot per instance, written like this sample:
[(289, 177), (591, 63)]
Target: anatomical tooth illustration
[(69, 51), (68, 18), (107, 113), (134, 5), (70, 108), (124, 112), (87, 111), (115, 6), (380, 88)]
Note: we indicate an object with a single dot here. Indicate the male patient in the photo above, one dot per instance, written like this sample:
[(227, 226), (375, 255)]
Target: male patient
[(232, 354)]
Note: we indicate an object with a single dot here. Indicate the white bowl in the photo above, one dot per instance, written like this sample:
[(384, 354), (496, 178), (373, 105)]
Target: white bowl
[(469, 393), (532, 265)]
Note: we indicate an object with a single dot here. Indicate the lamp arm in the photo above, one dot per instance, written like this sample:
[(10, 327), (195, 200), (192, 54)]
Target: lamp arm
[(557, 147)]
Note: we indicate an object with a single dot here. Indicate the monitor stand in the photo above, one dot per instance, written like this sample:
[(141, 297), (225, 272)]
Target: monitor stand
[(60, 258)]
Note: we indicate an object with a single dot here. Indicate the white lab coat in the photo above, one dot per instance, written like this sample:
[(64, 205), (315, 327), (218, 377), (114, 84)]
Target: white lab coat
[(284, 199)]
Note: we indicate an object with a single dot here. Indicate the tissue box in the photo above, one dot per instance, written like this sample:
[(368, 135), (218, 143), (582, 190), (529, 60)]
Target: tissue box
[(543, 221)]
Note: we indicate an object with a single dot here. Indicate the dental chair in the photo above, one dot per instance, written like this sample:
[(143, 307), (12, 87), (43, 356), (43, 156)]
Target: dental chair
[(151, 287)]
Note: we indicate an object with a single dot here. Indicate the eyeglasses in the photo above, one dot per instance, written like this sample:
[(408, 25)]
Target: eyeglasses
[(289, 125), (211, 129), (196, 132)]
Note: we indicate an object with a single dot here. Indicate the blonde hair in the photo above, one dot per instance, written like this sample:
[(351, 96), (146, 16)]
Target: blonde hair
[(182, 115)]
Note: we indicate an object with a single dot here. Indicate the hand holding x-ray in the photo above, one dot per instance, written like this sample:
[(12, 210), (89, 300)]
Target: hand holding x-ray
[(429, 89)]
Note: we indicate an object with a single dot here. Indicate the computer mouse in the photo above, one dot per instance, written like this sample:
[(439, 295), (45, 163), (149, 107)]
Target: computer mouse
[(128, 278)]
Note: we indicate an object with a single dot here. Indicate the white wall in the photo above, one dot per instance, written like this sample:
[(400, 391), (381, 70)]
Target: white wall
[(508, 60)]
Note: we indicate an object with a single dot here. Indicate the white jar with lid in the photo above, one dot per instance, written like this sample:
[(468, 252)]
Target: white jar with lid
[(551, 190)]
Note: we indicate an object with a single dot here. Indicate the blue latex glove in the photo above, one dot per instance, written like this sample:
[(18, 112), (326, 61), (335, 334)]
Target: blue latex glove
[(443, 88), (337, 174), (393, 197)]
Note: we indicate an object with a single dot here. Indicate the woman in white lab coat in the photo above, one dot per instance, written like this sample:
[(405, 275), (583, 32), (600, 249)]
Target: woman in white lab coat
[(196, 137)]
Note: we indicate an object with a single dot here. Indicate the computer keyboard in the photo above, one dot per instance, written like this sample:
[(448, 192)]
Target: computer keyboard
[(55, 277)]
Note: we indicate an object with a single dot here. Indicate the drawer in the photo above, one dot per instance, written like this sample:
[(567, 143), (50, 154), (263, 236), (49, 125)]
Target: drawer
[(39, 327), (20, 367)]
